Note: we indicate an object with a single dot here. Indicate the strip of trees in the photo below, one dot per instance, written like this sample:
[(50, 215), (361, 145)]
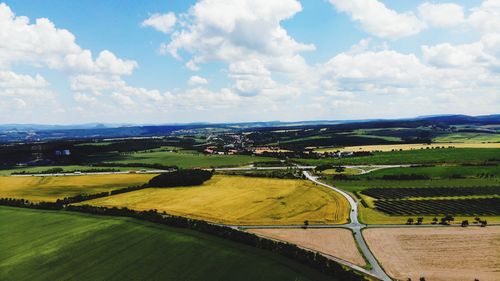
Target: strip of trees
[(181, 178)]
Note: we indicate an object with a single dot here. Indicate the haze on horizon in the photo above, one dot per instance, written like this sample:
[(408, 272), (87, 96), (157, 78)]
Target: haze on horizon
[(246, 60)]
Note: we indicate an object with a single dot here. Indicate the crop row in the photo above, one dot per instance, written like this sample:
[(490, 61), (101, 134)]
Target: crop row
[(467, 207), (400, 193)]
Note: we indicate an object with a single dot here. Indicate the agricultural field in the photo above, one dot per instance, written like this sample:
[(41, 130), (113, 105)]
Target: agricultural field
[(45, 245), (241, 201), (469, 138), (464, 207), (420, 156), (346, 171), (337, 242), (49, 189), (182, 159), (66, 169), (440, 171), (403, 193), (418, 252), (385, 198), (358, 185), (409, 146)]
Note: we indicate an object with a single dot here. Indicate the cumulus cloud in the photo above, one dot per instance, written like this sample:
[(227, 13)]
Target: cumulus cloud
[(161, 22), (227, 31), (41, 44), (196, 80), (375, 18), (23, 91), (486, 17), (441, 15)]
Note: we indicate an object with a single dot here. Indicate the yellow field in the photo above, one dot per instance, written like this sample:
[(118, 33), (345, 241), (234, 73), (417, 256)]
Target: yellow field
[(416, 146), (241, 201), (38, 189)]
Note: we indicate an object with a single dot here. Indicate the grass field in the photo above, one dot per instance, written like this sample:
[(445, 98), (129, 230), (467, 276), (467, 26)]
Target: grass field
[(469, 138), (43, 245), (437, 171), (357, 185), (182, 159), (420, 156), (416, 146), (38, 189), (440, 254), (241, 200), (347, 171), (71, 168), (337, 242)]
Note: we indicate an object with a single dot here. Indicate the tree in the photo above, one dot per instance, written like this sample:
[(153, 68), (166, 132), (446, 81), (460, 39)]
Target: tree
[(484, 223), (465, 223), (339, 169), (306, 224), (420, 220), (422, 279), (409, 221), (434, 220)]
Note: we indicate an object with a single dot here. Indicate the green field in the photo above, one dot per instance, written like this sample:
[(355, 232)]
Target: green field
[(43, 245), (468, 137), (49, 189), (69, 168), (437, 171), (182, 159), (357, 185), (424, 156)]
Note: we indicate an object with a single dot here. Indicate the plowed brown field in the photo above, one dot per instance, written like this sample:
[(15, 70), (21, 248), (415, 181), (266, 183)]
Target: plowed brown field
[(446, 254), (335, 242)]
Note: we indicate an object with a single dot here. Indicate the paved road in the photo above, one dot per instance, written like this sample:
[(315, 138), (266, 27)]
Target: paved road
[(356, 228)]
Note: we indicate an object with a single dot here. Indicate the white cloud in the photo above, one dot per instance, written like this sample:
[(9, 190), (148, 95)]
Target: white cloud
[(123, 99), (161, 22), (24, 91), (231, 31), (43, 45), (484, 53), (486, 17), (197, 80), (441, 15), (375, 18), (447, 55)]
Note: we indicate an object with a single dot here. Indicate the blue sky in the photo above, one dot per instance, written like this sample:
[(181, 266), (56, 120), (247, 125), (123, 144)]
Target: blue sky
[(241, 60)]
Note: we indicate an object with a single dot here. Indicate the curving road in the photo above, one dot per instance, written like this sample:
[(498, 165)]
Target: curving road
[(356, 228)]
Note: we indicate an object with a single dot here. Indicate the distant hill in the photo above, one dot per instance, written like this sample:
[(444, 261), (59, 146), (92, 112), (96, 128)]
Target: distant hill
[(34, 132)]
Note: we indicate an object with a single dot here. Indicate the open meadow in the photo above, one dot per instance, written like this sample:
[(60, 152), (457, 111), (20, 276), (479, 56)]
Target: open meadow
[(49, 189), (437, 254), (240, 200), (182, 159), (337, 242), (417, 156), (46, 245), (65, 169)]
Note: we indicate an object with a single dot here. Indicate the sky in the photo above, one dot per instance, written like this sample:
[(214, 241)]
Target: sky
[(171, 61)]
